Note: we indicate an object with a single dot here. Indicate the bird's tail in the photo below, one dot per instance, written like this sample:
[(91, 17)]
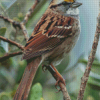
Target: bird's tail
[(26, 82)]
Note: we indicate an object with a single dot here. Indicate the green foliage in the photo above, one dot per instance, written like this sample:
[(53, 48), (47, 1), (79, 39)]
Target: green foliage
[(20, 70), (2, 51), (36, 92), (2, 31), (5, 96)]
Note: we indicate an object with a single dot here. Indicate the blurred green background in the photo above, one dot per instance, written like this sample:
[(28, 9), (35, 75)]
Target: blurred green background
[(72, 67)]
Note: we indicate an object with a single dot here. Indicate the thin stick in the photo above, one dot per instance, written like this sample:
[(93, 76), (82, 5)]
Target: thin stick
[(6, 19), (29, 13), (90, 62), (12, 42), (7, 56), (64, 91), (24, 31), (14, 23)]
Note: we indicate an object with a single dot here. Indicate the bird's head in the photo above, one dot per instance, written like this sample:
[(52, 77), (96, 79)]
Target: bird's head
[(66, 7)]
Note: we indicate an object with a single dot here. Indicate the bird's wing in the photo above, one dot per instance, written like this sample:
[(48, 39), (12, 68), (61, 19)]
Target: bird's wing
[(43, 42)]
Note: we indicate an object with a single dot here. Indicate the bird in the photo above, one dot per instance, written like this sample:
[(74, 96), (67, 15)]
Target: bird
[(53, 37)]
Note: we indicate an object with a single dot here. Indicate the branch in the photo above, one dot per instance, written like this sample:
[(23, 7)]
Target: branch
[(90, 62), (14, 23), (29, 13), (12, 42), (7, 56), (24, 31), (64, 91)]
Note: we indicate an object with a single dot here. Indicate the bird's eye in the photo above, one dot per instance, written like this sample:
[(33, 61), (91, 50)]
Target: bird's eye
[(64, 3)]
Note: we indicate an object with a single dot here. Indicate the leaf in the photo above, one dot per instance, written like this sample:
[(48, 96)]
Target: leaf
[(36, 92), (5, 96), (91, 93), (95, 66), (94, 82), (41, 99), (2, 51), (2, 31), (4, 45), (7, 3)]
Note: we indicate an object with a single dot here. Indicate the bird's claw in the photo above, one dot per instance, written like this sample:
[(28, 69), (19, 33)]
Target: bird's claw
[(57, 83), (57, 87), (44, 68)]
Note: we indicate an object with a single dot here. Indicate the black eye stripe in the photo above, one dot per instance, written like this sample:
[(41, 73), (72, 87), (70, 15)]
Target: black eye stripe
[(66, 3), (63, 3)]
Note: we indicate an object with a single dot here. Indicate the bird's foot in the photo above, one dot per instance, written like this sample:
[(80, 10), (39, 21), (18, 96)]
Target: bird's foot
[(59, 79), (44, 68)]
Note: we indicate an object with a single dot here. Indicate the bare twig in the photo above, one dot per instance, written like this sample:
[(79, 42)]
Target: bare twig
[(64, 91), (6, 19), (90, 62), (14, 23), (12, 42), (7, 56), (28, 14), (24, 31), (31, 10)]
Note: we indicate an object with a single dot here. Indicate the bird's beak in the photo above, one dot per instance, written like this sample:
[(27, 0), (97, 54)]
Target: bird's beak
[(75, 4)]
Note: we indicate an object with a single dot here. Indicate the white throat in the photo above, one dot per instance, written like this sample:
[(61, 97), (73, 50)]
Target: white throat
[(72, 12)]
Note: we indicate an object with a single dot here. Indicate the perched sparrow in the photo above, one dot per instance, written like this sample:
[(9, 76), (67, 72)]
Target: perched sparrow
[(54, 36)]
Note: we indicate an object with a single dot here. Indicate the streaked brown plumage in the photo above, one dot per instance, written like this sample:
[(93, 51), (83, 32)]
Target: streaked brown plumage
[(53, 37)]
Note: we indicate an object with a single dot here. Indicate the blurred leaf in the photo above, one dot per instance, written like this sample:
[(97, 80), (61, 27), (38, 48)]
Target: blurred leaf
[(4, 45), (41, 99), (5, 96), (91, 93), (94, 82), (7, 76), (20, 70), (2, 31), (2, 51), (7, 3), (20, 16), (50, 93), (36, 92), (16, 19), (95, 66)]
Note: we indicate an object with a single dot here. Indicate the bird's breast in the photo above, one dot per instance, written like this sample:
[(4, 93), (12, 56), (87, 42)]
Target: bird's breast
[(62, 50)]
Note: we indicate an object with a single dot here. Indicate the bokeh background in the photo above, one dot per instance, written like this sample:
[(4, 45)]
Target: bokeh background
[(72, 67)]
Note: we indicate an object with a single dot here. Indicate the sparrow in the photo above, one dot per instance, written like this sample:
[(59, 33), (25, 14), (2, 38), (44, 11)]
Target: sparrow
[(54, 36)]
